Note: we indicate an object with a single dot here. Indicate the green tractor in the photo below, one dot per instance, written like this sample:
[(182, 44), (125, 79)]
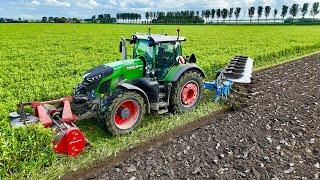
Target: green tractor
[(158, 78)]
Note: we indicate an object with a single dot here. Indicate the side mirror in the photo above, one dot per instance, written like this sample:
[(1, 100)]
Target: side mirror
[(120, 47), (151, 44)]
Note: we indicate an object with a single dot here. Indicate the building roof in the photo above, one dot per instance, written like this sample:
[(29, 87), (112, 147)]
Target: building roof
[(160, 37)]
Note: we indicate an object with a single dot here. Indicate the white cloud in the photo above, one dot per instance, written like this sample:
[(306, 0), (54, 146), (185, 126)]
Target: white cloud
[(113, 3), (26, 16), (91, 4), (57, 3), (218, 4), (34, 3)]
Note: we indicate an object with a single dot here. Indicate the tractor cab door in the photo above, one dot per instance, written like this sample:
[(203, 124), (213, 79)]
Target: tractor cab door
[(142, 50), (166, 54)]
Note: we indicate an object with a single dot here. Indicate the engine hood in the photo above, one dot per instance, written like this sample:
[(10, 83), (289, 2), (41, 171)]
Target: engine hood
[(101, 70)]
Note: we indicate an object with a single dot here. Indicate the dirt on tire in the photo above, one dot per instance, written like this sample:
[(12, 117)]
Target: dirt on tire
[(275, 134), (176, 106), (118, 98)]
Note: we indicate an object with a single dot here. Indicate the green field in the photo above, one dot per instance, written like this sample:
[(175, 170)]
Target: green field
[(45, 61)]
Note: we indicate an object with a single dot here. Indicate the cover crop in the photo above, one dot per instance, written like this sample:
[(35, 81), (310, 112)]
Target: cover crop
[(45, 61)]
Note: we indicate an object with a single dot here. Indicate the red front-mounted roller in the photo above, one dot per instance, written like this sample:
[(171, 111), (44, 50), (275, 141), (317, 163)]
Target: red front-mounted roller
[(55, 114), (71, 142)]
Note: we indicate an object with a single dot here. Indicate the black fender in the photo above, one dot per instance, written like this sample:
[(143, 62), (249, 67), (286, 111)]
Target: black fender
[(176, 71), (140, 91)]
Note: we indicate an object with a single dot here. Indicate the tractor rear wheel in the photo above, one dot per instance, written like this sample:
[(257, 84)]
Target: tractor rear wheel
[(124, 112), (186, 92)]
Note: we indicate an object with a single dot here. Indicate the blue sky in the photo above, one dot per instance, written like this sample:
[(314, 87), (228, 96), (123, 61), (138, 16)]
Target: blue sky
[(33, 9)]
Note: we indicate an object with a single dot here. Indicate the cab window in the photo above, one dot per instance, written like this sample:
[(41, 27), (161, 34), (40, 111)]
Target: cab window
[(166, 52), (141, 48)]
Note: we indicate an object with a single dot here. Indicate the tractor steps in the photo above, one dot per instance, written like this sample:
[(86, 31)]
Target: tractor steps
[(163, 104), (164, 111), (164, 96)]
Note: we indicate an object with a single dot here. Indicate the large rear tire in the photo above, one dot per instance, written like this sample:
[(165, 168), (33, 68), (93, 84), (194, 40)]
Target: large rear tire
[(187, 92), (123, 112)]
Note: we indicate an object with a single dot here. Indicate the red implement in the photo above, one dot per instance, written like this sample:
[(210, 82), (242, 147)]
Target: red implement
[(67, 115), (71, 142), (57, 114), (43, 116)]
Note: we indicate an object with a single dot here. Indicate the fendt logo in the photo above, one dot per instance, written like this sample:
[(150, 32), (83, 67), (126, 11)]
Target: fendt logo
[(134, 67)]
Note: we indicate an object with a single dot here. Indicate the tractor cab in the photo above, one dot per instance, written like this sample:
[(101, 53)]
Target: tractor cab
[(168, 79), (158, 52)]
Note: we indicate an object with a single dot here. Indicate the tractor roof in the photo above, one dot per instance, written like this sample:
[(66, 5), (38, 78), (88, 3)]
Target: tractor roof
[(159, 38)]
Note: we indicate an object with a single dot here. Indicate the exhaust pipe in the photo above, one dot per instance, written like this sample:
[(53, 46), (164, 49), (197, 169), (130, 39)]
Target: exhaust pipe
[(123, 48)]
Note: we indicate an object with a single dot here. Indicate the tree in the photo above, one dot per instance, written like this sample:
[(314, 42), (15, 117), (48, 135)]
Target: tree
[(224, 14), (237, 13), (218, 12), (251, 11), (63, 20), (294, 10), (315, 10), (60, 20), (275, 13), (151, 16), (267, 11), (100, 17), (50, 20), (44, 19), (106, 16), (93, 18), (76, 20), (147, 16), (304, 9), (230, 13), (260, 11), (284, 11), (207, 14), (134, 17), (213, 12), (118, 17)]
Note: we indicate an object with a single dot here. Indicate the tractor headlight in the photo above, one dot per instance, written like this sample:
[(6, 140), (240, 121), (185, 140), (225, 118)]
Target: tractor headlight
[(94, 78)]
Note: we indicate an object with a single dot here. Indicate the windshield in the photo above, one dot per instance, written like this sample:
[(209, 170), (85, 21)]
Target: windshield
[(141, 48), (168, 51)]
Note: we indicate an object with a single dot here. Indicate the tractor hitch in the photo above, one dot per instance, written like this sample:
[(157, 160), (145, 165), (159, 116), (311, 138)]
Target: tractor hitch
[(57, 115)]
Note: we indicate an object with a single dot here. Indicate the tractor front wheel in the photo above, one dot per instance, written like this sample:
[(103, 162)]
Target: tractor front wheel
[(124, 112), (186, 92)]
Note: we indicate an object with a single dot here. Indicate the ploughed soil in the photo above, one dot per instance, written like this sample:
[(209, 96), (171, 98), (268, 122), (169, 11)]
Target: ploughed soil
[(274, 134)]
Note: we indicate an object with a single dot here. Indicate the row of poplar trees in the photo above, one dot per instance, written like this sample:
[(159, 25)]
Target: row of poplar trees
[(211, 14)]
